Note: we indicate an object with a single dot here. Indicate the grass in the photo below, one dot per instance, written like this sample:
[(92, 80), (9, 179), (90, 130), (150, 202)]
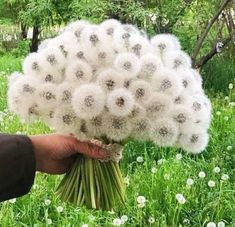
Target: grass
[(158, 178)]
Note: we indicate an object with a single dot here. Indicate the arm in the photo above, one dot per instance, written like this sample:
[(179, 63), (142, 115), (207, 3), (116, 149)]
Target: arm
[(21, 156)]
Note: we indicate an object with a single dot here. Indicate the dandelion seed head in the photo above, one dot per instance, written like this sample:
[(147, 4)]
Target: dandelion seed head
[(211, 183), (211, 224), (120, 102), (88, 101)]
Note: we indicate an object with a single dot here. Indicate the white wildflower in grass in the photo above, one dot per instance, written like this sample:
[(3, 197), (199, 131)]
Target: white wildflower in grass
[(150, 64), (211, 224), (216, 169), (211, 183), (158, 105), (128, 64), (186, 221), (120, 102), (178, 157), (230, 86), (47, 202), (167, 82), (151, 220), (127, 180), (161, 161), (218, 113), (65, 93), (226, 118), (167, 176), (48, 221), (153, 170), (12, 200), (124, 219), (141, 199), (164, 43), (201, 174), (117, 222), (180, 198), (88, 101), (117, 128), (164, 132), (194, 142), (177, 60), (224, 177), (78, 72), (226, 98), (141, 90), (60, 209), (110, 79), (221, 224), (190, 182), (84, 225), (229, 148), (140, 159)]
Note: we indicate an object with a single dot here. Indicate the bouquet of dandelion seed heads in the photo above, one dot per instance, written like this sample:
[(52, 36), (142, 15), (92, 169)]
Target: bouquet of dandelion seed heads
[(112, 83)]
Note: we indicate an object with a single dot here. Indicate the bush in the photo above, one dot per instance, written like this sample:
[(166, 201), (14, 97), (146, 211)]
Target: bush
[(218, 73)]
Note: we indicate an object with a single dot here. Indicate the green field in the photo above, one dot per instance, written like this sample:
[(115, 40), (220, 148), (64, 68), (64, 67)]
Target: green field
[(162, 175)]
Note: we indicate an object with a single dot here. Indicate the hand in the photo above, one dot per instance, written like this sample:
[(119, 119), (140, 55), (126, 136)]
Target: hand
[(55, 153)]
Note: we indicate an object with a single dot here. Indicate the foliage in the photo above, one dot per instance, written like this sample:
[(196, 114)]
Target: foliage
[(203, 203)]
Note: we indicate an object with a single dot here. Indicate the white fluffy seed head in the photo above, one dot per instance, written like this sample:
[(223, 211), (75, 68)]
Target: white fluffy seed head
[(78, 72), (141, 90), (139, 45), (65, 120), (128, 64), (78, 52), (149, 65), (88, 101), (120, 102), (163, 43), (101, 57), (138, 111), (33, 64), (167, 82), (141, 127), (194, 142), (65, 93), (181, 115), (92, 37), (53, 57), (76, 27), (95, 126), (109, 26), (177, 60), (117, 128), (110, 79), (164, 132), (47, 95), (158, 105), (189, 82)]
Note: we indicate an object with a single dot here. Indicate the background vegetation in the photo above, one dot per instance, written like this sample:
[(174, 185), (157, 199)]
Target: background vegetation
[(200, 25)]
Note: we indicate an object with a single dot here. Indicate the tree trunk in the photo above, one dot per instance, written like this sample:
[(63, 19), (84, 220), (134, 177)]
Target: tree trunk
[(24, 31), (35, 39)]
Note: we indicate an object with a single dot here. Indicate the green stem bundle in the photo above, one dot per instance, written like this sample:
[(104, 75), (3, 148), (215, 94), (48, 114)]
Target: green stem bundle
[(93, 183)]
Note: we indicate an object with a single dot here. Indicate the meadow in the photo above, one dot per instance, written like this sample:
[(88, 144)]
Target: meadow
[(164, 187)]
